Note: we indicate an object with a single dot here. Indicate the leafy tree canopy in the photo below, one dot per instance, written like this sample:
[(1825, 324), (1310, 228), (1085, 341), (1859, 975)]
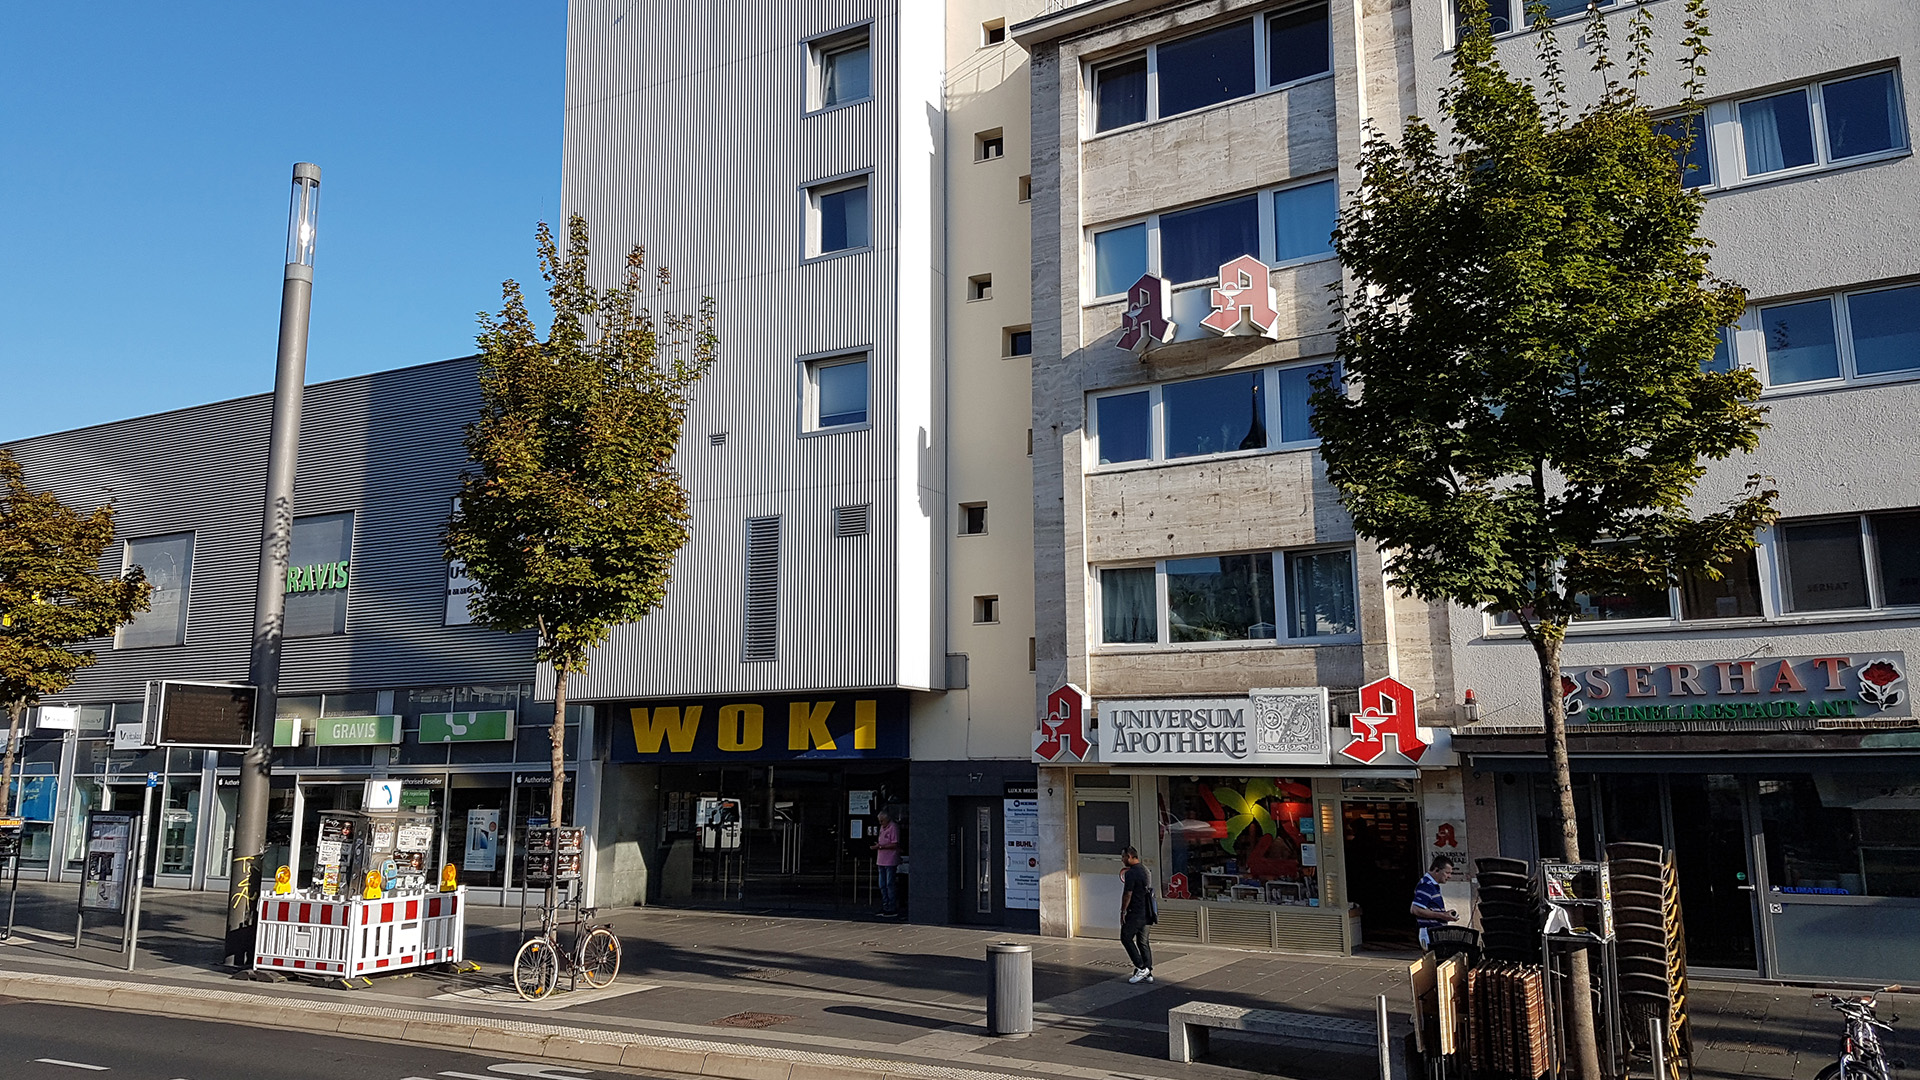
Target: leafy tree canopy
[(573, 516), (1528, 312)]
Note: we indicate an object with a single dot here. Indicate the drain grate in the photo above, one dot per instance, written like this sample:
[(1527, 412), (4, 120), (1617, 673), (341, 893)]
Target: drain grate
[(763, 973), (1113, 964), (752, 1020)]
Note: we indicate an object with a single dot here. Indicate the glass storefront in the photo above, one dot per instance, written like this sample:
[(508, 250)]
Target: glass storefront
[(1239, 840)]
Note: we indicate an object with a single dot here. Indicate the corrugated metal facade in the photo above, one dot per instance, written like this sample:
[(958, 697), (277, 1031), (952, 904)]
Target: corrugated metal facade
[(386, 447), (687, 131)]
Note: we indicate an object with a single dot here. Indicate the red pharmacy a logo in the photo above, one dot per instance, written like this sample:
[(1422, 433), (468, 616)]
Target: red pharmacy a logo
[(1386, 708)]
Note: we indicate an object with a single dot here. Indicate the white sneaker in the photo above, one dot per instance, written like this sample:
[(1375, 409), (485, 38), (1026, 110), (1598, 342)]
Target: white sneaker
[(1140, 975)]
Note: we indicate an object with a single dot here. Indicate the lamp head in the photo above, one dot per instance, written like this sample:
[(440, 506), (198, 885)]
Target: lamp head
[(303, 216)]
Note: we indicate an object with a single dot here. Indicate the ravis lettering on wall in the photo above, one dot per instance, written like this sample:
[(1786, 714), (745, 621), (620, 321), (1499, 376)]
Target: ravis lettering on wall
[(1833, 687), (1269, 726)]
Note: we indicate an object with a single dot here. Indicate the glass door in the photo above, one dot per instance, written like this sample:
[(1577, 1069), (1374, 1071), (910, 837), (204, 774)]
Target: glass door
[(1712, 845)]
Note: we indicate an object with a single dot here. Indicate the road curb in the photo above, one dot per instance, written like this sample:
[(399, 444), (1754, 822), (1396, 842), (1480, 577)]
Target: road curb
[(694, 1057)]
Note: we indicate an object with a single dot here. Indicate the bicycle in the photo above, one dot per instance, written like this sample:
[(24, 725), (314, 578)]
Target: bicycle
[(594, 958), (1861, 1057)]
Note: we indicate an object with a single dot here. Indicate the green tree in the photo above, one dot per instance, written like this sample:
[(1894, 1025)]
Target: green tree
[(52, 598), (1526, 318), (572, 519)]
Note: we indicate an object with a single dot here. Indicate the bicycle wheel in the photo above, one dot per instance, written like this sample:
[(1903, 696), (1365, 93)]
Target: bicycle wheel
[(536, 968), (600, 957)]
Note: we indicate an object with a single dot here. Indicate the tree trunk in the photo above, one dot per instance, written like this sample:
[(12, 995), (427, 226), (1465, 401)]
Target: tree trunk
[(1583, 1043), (7, 797), (556, 794)]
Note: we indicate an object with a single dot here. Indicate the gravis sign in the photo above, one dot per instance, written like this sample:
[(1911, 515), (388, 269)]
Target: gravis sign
[(1752, 688), (1243, 305)]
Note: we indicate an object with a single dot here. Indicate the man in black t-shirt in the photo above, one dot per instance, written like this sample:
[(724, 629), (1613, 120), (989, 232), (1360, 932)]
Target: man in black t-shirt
[(1136, 914)]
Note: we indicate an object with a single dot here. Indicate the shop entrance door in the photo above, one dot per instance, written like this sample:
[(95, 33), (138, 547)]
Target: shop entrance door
[(1711, 848), (1383, 866), (977, 848), (1103, 829)]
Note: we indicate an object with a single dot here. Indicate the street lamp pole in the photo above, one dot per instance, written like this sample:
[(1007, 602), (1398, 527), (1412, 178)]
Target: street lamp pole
[(276, 539)]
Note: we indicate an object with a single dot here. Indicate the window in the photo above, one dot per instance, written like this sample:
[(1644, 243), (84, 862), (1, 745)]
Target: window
[(1852, 563), (1848, 833), (760, 621), (989, 145), (1856, 117), (986, 609), (851, 521), (1692, 154), (993, 32), (1509, 15), (1226, 598), (1018, 341), (317, 575), (1735, 595), (1025, 189), (168, 563), (842, 70), (1279, 226), (836, 392), (837, 217), (980, 287), (973, 519), (1870, 334), (1221, 64), (1221, 414)]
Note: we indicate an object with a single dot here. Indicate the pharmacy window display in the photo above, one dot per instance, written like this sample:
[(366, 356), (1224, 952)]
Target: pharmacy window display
[(1249, 841)]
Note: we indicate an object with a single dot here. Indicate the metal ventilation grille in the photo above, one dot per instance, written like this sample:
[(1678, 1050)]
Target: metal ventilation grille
[(760, 630), (850, 520), (718, 438)]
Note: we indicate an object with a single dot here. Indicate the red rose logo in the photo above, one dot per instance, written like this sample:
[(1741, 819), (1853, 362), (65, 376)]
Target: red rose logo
[(1877, 684), (1568, 691)]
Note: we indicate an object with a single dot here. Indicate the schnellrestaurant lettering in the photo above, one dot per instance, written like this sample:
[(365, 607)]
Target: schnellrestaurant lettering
[(1835, 686)]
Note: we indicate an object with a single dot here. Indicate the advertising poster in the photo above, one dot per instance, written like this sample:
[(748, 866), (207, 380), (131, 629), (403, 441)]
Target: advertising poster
[(1022, 832), (483, 841), (109, 844)]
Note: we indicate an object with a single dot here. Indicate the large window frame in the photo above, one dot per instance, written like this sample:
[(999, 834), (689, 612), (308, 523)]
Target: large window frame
[(812, 422), (1262, 60), (1280, 572), (1267, 225), (822, 53), (1720, 134), (1753, 335), (815, 247), (1691, 591), (148, 629), (1278, 385), (1873, 565)]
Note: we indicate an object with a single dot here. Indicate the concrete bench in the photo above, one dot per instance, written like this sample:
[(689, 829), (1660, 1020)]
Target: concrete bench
[(1189, 1027)]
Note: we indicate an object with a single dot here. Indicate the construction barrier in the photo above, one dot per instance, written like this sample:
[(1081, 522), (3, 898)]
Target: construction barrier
[(360, 937)]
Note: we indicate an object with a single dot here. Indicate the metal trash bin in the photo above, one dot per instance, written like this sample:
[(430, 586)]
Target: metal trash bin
[(1010, 989)]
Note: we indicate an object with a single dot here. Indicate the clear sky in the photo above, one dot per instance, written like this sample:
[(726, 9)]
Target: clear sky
[(146, 151)]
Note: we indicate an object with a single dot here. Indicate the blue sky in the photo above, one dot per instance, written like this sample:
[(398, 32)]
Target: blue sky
[(145, 157)]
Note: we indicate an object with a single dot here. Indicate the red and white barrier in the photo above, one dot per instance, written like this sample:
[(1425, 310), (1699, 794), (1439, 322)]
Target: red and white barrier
[(359, 937)]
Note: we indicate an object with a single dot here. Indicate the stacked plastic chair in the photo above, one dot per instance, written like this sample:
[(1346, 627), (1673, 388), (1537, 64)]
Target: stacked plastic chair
[(1651, 947), (1509, 904)]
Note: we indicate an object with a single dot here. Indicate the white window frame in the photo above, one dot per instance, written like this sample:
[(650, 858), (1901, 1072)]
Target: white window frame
[(186, 599), (1733, 134), (1269, 243), (1750, 344), (1775, 583), (811, 251), (1157, 422), (817, 51), (1675, 619), (1262, 71), (1518, 16), (1163, 612), (809, 391)]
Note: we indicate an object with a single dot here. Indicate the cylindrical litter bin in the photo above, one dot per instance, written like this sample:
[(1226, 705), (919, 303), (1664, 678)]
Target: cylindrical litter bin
[(1010, 989)]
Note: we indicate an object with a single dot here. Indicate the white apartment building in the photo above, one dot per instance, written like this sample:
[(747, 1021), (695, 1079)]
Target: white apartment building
[(1760, 727), (848, 631)]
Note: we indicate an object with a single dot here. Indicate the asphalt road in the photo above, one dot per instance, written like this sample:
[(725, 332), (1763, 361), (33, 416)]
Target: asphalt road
[(63, 1042)]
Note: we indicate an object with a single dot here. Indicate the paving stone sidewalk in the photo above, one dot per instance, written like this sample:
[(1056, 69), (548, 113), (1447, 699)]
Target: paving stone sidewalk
[(908, 993)]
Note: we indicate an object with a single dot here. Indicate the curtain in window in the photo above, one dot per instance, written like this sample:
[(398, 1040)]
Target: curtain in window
[(1127, 614), (1321, 590), (1778, 132), (1196, 243), (1120, 94)]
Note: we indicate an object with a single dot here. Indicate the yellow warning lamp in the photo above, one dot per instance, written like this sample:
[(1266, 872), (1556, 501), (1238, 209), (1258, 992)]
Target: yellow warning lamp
[(372, 891), (449, 879), (282, 881)]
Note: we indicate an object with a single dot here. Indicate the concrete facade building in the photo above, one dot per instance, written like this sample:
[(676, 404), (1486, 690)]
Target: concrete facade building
[(1195, 575), (1788, 798)]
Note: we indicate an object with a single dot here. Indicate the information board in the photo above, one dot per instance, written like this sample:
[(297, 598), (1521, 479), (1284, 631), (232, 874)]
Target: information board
[(104, 882), (1021, 828), (211, 716)]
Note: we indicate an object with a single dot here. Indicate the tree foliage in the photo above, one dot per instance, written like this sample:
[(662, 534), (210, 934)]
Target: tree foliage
[(53, 597), (1527, 318), (572, 519)]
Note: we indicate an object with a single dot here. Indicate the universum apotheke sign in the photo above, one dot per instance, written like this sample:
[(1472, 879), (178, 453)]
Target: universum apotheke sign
[(1185, 729)]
